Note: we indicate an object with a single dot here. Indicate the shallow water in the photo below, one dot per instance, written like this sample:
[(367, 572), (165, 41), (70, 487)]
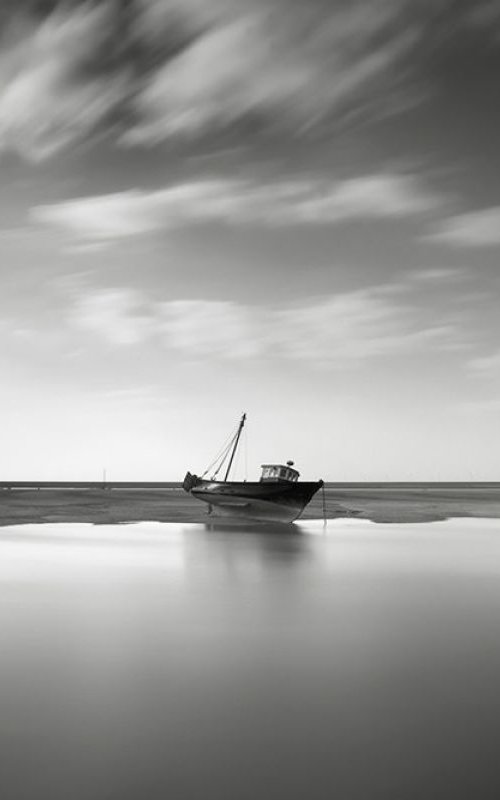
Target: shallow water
[(160, 660)]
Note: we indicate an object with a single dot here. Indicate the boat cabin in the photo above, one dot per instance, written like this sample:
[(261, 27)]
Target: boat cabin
[(279, 472)]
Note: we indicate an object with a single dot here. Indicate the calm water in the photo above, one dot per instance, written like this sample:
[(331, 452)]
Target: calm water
[(165, 661)]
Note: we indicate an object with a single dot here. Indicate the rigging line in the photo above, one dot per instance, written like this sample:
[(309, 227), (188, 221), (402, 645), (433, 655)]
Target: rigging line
[(218, 464), (224, 447), (224, 457), (230, 449), (222, 453)]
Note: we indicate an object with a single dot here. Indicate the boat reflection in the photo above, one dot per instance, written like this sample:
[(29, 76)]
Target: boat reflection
[(247, 544), (276, 528)]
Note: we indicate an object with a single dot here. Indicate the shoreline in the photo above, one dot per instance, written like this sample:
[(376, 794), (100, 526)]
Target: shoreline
[(378, 503)]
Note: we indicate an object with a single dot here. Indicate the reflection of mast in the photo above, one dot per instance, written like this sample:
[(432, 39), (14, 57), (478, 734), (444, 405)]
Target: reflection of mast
[(237, 439)]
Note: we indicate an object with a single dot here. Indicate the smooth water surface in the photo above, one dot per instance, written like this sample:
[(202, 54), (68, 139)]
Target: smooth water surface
[(175, 661)]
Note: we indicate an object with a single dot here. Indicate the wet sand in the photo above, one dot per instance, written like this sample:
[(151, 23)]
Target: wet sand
[(383, 503)]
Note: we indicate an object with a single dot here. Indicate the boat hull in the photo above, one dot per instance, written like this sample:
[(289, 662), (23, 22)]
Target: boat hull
[(279, 501)]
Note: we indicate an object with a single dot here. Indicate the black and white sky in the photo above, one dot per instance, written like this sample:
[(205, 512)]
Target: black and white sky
[(285, 207)]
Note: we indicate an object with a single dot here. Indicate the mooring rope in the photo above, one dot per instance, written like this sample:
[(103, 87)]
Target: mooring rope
[(245, 444)]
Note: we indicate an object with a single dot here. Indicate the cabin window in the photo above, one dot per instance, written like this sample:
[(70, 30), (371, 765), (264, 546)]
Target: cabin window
[(279, 472)]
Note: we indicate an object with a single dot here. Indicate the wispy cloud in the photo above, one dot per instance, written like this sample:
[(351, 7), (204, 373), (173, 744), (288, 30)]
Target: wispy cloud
[(436, 275), (274, 61), (151, 70), (485, 14), (474, 229), (488, 365), (480, 406), (357, 326), (56, 84), (240, 202), (337, 331), (117, 316), (218, 329)]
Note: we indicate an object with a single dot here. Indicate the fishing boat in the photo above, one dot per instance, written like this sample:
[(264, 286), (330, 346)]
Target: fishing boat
[(278, 496)]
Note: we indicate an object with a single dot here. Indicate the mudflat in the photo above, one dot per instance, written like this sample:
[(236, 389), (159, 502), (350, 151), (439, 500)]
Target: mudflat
[(384, 503)]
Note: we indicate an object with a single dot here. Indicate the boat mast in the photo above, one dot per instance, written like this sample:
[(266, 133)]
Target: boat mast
[(237, 439)]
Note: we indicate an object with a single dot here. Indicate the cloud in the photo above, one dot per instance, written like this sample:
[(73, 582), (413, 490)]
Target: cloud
[(486, 365), (117, 316), (272, 61), (84, 248), (485, 14), (51, 93), (217, 329), (354, 326), (476, 407), (474, 229), (240, 202), (339, 331), (436, 275), (145, 71), (106, 216)]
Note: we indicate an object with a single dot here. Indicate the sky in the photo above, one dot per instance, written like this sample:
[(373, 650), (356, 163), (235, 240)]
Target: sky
[(284, 208)]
